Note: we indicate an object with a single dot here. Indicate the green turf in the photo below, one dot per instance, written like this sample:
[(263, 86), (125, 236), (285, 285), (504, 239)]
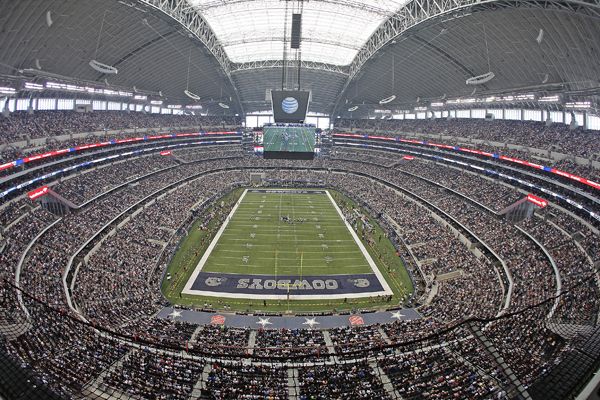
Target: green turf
[(315, 242), (299, 139), (196, 242)]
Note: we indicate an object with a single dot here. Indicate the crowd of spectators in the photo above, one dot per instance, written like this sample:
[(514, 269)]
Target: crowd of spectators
[(351, 381), (151, 375), (574, 265), (227, 381), (556, 159), (113, 285), (437, 374), (285, 342), (116, 287), (556, 137), (89, 183), (21, 125)]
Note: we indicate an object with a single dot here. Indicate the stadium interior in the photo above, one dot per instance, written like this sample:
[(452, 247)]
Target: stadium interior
[(300, 199)]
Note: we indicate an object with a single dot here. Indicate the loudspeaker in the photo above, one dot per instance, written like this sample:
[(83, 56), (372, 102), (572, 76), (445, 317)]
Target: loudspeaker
[(296, 30)]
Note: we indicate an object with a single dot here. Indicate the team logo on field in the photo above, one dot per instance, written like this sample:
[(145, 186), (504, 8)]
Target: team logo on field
[(217, 320), (214, 281), (361, 282), (356, 320)]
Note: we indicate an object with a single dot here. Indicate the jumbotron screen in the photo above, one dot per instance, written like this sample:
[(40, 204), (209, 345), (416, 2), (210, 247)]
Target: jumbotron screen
[(289, 141)]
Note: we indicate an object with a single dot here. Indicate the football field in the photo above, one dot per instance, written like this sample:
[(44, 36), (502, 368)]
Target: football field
[(290, 139), (279, 243)]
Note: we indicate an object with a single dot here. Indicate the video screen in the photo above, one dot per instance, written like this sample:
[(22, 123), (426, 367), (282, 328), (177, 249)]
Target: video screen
[(289, 106), (289, 141)]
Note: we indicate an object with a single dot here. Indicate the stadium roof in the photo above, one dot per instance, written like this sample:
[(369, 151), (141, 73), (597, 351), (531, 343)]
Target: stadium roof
[(354, 52)]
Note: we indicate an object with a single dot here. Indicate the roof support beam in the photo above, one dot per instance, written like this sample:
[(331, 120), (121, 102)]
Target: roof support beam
[(195, 24), (192, 21), (236, 67), (357, 4), (259, 39)]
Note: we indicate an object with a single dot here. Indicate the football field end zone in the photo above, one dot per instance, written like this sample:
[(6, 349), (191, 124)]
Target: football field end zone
[(380, 283)]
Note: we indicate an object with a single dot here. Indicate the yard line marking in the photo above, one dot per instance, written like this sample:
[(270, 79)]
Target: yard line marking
[(308, 240), (294, 267), (228, 260)]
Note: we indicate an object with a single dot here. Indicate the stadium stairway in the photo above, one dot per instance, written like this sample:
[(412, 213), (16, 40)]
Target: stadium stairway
[(432, 293), (251, 342), (293, 384), (200, 386), (384, 335), (516, 390), (97, 389), (328, 342), (385, 380)]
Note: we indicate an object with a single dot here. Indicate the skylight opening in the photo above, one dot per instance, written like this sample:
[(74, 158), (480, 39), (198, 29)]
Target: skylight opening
[(332, 32)]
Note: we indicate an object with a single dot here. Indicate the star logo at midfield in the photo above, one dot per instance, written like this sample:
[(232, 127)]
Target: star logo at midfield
[(264, 321), (175, 314), (311, 322), (397, 315)]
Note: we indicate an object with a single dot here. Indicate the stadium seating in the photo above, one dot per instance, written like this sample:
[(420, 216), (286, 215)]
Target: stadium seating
[(124, 350)]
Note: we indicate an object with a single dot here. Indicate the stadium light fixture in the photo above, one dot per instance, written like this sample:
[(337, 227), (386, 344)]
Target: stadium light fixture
[(388, 99), (480, 79), (103, 68), (33, 86), (191, 95), (97, 65), (549, 99), (546, 78), (49, 21), (521, 97), (578, 104), (540, 36), (7, 90)]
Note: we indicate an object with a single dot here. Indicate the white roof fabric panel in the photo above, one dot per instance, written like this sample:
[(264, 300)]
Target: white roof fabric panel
[(332, 30)]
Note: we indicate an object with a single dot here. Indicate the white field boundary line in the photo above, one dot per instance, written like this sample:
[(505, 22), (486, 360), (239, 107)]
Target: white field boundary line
[(188, 287), (386, 288)]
